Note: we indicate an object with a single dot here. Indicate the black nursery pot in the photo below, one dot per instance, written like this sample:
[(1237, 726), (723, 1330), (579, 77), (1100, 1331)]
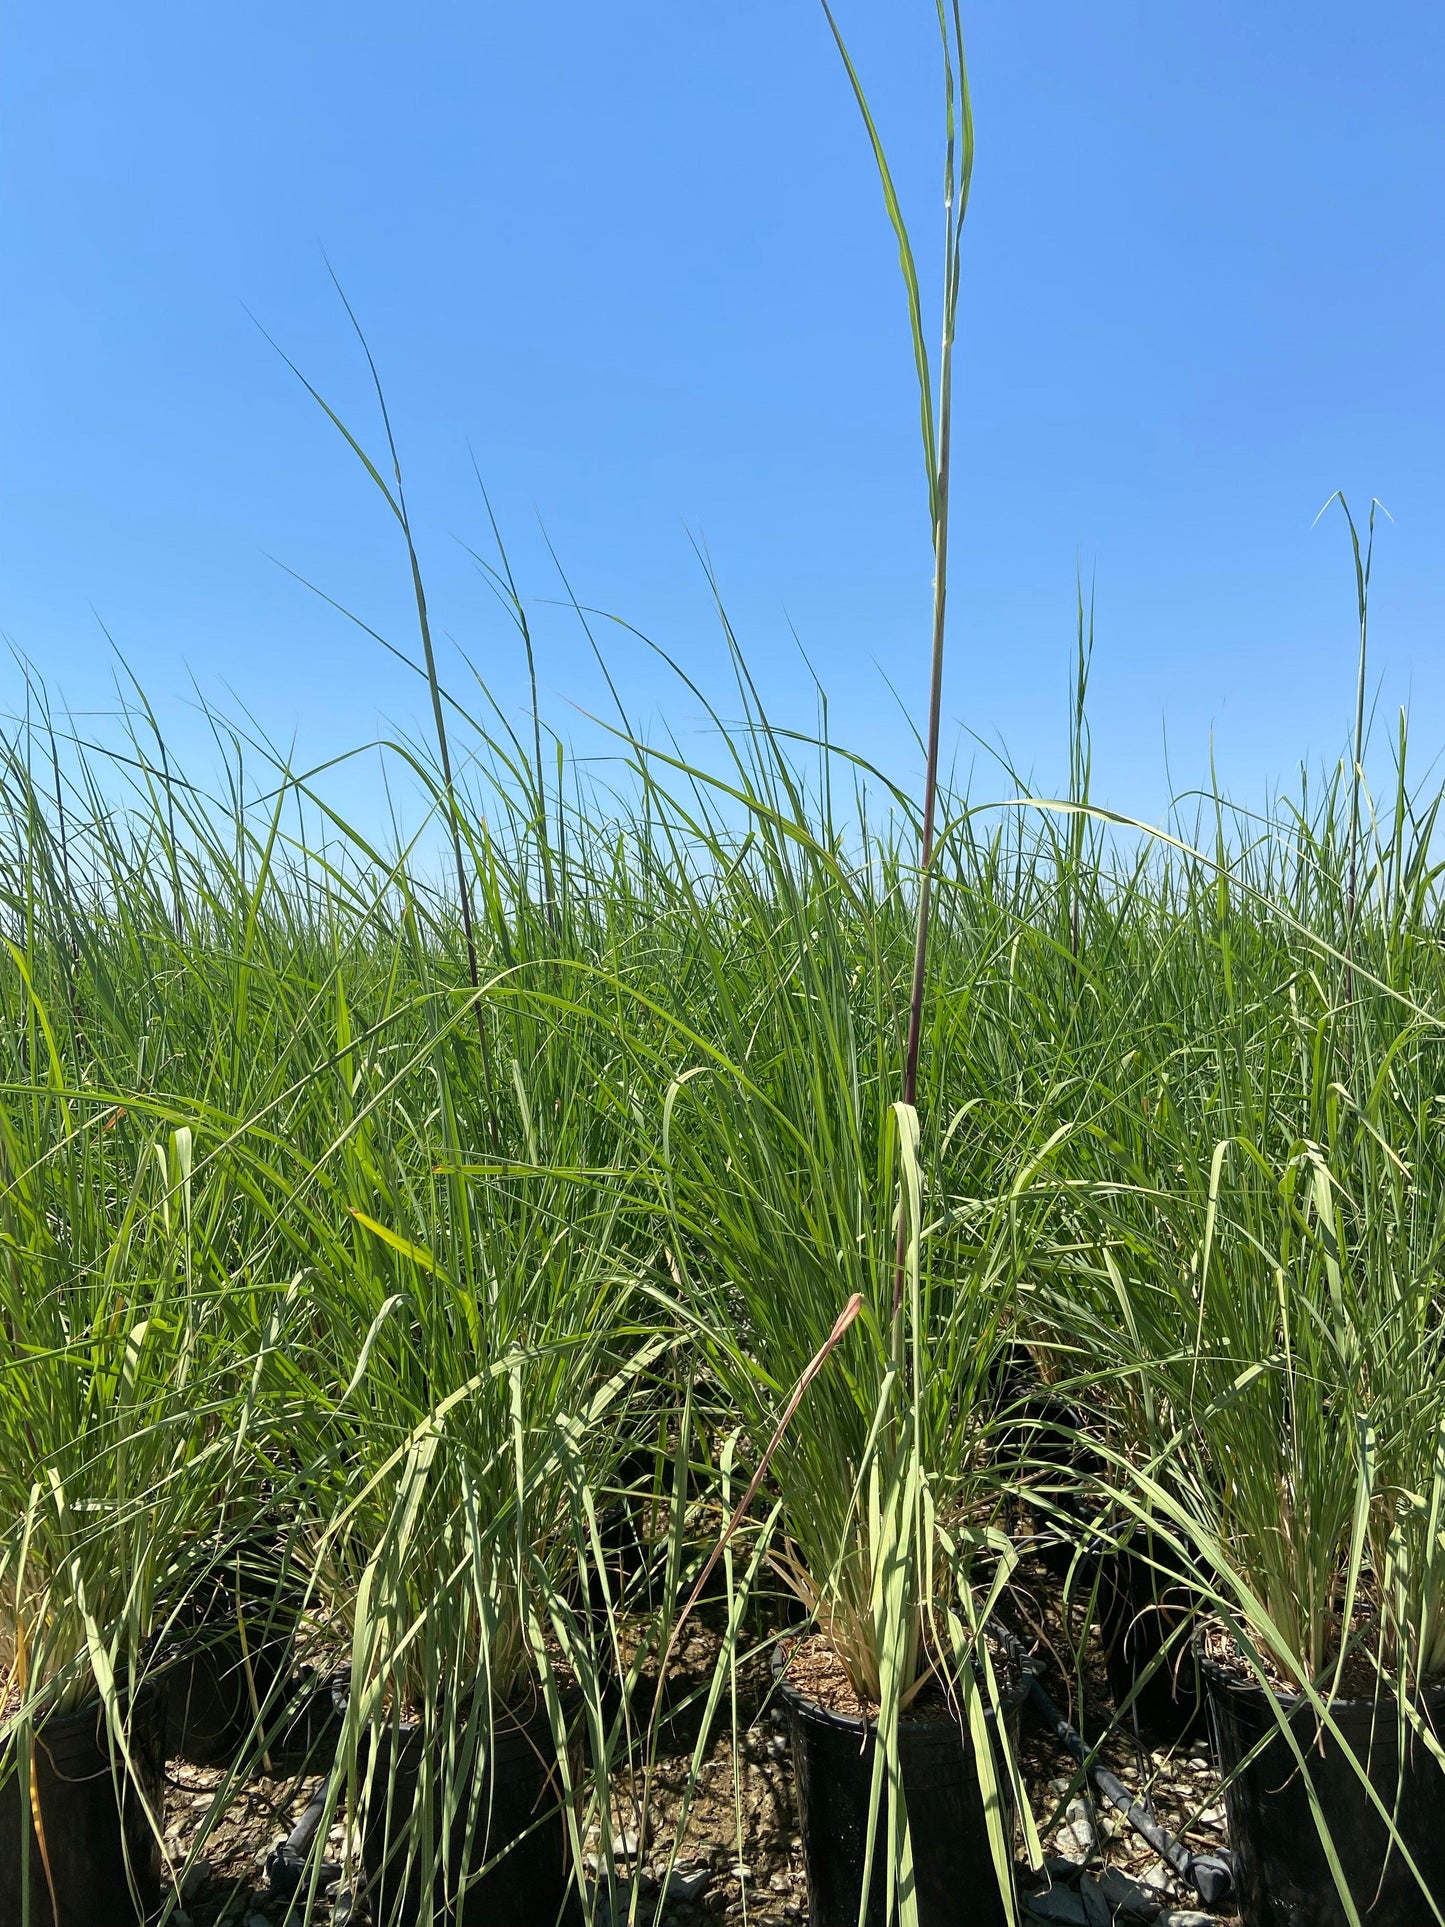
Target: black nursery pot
[(232, 1648), (104, 1855), (1041, 1443), (217, 1685), (212, 1719), (1146, 1621), (1281, 1874), (519, 1817), (833, 1767)]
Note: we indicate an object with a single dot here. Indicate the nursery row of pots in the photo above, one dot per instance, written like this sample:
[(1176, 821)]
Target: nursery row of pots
[(81, 1844), (1354, 1782)]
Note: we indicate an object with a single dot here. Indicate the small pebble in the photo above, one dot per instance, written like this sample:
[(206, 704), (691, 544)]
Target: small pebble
[(1081, 1836)]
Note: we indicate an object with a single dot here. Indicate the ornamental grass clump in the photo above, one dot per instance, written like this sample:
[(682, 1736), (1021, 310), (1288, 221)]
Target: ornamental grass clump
[(124, 1478), (844, 1251), (1271, 1362), (119, 1441), (476, 1380), (1262, 1189)]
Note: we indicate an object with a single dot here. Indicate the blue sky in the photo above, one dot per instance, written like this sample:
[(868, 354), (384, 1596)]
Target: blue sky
[(633, 257)]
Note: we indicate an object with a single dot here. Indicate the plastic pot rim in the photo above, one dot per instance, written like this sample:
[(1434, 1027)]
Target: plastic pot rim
[(151, 1688), (1221, 1678), (508, 1721), (860, 1723)]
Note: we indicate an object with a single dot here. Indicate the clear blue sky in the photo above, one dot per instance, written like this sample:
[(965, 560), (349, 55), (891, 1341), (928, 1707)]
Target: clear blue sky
[(634, 256)]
